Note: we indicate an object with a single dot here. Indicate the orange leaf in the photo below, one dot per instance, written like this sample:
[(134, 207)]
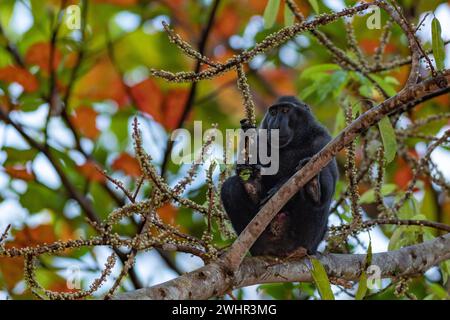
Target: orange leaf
[(227, 23), (19, 172), (167, 213), (84, 120), (128, 164), (402, 176), (102, 82), (71, 60), (404, 173), (173, 107), (369, 46), (148, 98), (20, 75), (12, 268), (90, 171), (32, 236), (5, 104), (443, 100), (39, 54), (258, 6), (282, 79), (60, 285), (401, 74)]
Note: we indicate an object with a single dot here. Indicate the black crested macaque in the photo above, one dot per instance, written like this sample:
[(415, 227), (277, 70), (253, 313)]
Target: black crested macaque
[(301, 224)]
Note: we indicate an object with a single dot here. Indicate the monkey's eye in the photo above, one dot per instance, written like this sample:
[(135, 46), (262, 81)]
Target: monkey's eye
[(285, 109), (273, 111)]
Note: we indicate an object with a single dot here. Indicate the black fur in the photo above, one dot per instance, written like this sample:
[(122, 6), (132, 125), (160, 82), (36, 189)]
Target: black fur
[(303, 220)]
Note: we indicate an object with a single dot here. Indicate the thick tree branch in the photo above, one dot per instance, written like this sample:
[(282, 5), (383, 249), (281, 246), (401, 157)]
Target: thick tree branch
[(212, 280)]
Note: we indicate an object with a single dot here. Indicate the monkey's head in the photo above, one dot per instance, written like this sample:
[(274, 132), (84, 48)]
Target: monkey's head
[(291, 117)]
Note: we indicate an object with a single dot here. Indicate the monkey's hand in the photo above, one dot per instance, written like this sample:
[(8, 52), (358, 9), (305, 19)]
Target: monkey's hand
[(312, 187), (245, 125), (250, 176)]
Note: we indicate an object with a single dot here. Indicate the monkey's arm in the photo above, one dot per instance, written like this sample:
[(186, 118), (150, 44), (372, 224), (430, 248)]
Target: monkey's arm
[(238, 203), (250, 174), (241, 193)]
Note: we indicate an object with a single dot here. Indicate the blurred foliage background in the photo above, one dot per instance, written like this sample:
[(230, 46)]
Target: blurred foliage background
[(77, 91)]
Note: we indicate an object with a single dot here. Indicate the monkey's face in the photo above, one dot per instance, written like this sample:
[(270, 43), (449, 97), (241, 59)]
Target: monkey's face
[(289, 119)]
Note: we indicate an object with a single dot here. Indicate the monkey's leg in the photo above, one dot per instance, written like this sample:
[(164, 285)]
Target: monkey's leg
[(312, 187)]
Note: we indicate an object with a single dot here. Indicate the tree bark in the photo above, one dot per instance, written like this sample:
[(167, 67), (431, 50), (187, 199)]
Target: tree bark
[(214, 280)]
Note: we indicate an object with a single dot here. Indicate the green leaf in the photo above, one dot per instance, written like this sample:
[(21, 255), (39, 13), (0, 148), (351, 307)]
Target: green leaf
[(362, 285), (314, 71), (395, 242), (6, 12), (408, 235), (279, 291), (388, 136), (428, 205), (289, 17), (102, 202), (339, 123), (438, 291), (306, 92), (409, 209), (386, 84), (18, 156), (38, 197), (369, 255), (30, 102), (315, 5), (119, 126), (270, 13), (321, 279), (437, 44), (445, 269), (369, 195)]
